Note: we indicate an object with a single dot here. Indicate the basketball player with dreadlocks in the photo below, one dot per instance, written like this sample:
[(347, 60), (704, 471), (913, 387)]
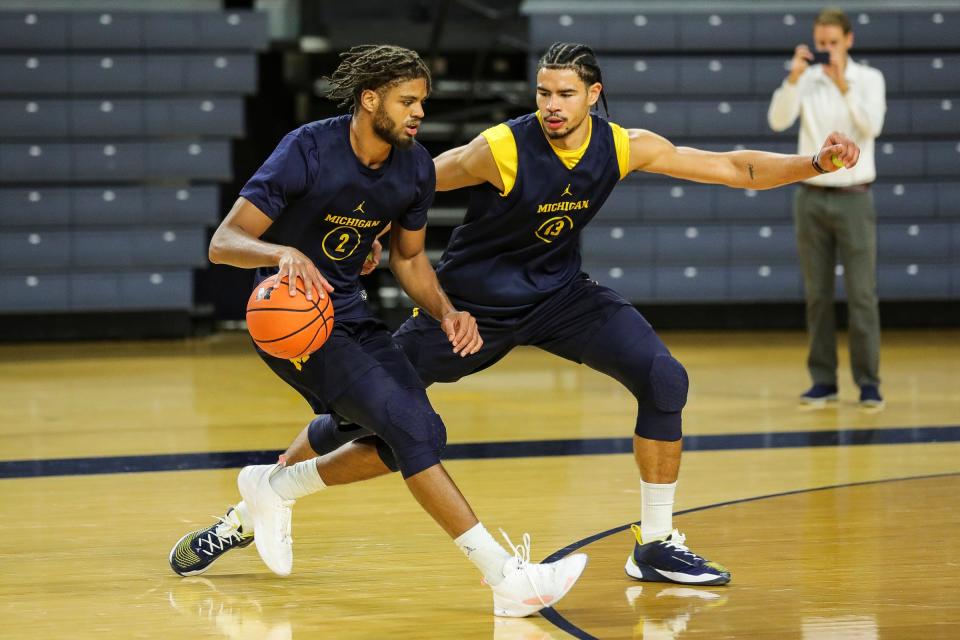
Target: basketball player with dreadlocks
[(313, 211), (515, 264)]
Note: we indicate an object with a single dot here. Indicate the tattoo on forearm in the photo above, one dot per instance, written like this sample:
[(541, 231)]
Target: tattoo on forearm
[(750, 167)]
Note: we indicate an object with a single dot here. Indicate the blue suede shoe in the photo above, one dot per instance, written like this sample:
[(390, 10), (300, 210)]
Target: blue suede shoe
[(819, 395), (870, 397)]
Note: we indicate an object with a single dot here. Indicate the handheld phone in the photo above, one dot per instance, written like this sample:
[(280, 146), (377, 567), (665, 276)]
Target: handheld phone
[(821, 57)]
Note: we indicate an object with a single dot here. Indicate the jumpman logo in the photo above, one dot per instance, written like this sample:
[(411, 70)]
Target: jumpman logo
[(360, 208), (566, 192)]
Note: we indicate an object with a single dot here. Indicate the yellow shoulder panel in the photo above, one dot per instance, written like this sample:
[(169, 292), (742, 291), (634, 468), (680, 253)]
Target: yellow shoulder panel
[(621, 141), (504, 149)]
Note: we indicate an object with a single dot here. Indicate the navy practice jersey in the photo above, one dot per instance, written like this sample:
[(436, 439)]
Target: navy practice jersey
[(517, 247), (326, 203)]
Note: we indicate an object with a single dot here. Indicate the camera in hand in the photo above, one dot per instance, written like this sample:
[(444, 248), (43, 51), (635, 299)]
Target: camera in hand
[(821, 57)]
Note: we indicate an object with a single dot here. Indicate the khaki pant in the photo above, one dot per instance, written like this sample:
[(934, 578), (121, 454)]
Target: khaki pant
[(839, 228)]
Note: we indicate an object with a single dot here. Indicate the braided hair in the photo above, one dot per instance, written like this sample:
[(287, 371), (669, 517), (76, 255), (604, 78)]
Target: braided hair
[(578, 57), (373, 67)]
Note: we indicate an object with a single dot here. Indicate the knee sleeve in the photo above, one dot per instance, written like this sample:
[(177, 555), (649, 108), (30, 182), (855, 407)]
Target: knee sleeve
[(658, 416), (329, 432), (668, 384), (414, 431)]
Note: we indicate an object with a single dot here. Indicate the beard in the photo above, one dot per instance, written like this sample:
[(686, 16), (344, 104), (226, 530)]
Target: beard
[(389, 131), (563, 133)]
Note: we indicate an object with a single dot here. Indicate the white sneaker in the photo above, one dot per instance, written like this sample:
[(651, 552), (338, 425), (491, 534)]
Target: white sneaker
[(271, 516), (527, 587)]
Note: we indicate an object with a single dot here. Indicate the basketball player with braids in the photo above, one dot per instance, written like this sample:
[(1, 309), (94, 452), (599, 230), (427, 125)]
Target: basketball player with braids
[(515, 264), (313, 212)]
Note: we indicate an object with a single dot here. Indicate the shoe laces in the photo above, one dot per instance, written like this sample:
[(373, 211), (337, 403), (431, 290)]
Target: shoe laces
[(521, 556), (676, 541), (221, 536)]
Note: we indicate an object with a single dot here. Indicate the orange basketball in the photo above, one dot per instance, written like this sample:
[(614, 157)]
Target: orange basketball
[(288, 326)]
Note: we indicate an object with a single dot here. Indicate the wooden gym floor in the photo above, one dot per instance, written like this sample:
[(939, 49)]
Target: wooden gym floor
[(836, 523)]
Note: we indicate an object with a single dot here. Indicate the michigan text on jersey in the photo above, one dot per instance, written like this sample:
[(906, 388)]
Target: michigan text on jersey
[(351, 222), (574, 205)]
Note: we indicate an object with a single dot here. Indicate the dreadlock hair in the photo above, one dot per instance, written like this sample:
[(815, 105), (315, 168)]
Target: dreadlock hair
[(373, 67), (580, 58)]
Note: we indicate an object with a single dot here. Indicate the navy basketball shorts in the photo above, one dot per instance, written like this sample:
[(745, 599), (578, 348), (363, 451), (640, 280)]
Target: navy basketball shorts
[(362, 374), (562, 324), (583, 322)]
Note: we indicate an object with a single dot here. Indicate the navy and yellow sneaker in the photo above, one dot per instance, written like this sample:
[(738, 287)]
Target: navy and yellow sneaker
[(195, 552), (669, 560)]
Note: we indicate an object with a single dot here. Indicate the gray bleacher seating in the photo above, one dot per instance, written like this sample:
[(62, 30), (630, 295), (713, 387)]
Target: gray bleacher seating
[(915, 241), (931, 73), (666, 202), (35, 207), (115, 205), (692, 245), (913, 281), (734, 76), (34, 293), (769, 283), (763, 244), (903, 159), (948, 200), (905, 200), (114, 161), (114, 128), (153, 30), (32, 30), (931, 29), (127, 73), (877, 29), (35, 250), (726, 118), (127, 117), (744, 204), (942, 157), (641, 30), (628, 29), (130, 290), (731, 76), (635, 283), (624, 244), (690, 283), (774, 30), (935, 116), (717, 31)]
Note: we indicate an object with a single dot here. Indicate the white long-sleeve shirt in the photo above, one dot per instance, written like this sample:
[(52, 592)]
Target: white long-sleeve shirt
[(823, 109)]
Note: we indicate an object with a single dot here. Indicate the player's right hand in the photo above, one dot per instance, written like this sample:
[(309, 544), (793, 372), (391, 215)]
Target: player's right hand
[(462, 331), (802, 57), (294, 264)]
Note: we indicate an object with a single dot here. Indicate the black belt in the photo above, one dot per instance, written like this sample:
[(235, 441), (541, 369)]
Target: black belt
[(854, 188)]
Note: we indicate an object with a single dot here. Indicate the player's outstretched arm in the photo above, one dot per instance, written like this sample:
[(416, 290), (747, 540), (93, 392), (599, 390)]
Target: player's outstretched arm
[(466, 166), (237, 242), (745, 169), (415, 274)]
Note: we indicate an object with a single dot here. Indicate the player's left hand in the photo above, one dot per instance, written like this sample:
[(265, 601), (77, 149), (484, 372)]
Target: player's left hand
[(843, 148), (461, 329), (373, 258)]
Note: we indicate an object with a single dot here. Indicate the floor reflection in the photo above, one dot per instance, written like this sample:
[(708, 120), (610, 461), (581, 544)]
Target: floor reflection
[(665, 613), (235, 617)]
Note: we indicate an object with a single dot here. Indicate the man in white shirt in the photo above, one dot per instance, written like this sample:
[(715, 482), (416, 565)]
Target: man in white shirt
[(834, 213)]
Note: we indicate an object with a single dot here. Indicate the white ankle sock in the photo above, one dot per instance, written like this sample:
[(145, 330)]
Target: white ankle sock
[(298, 480), (656, 514), (241, 513), (483, 551)]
